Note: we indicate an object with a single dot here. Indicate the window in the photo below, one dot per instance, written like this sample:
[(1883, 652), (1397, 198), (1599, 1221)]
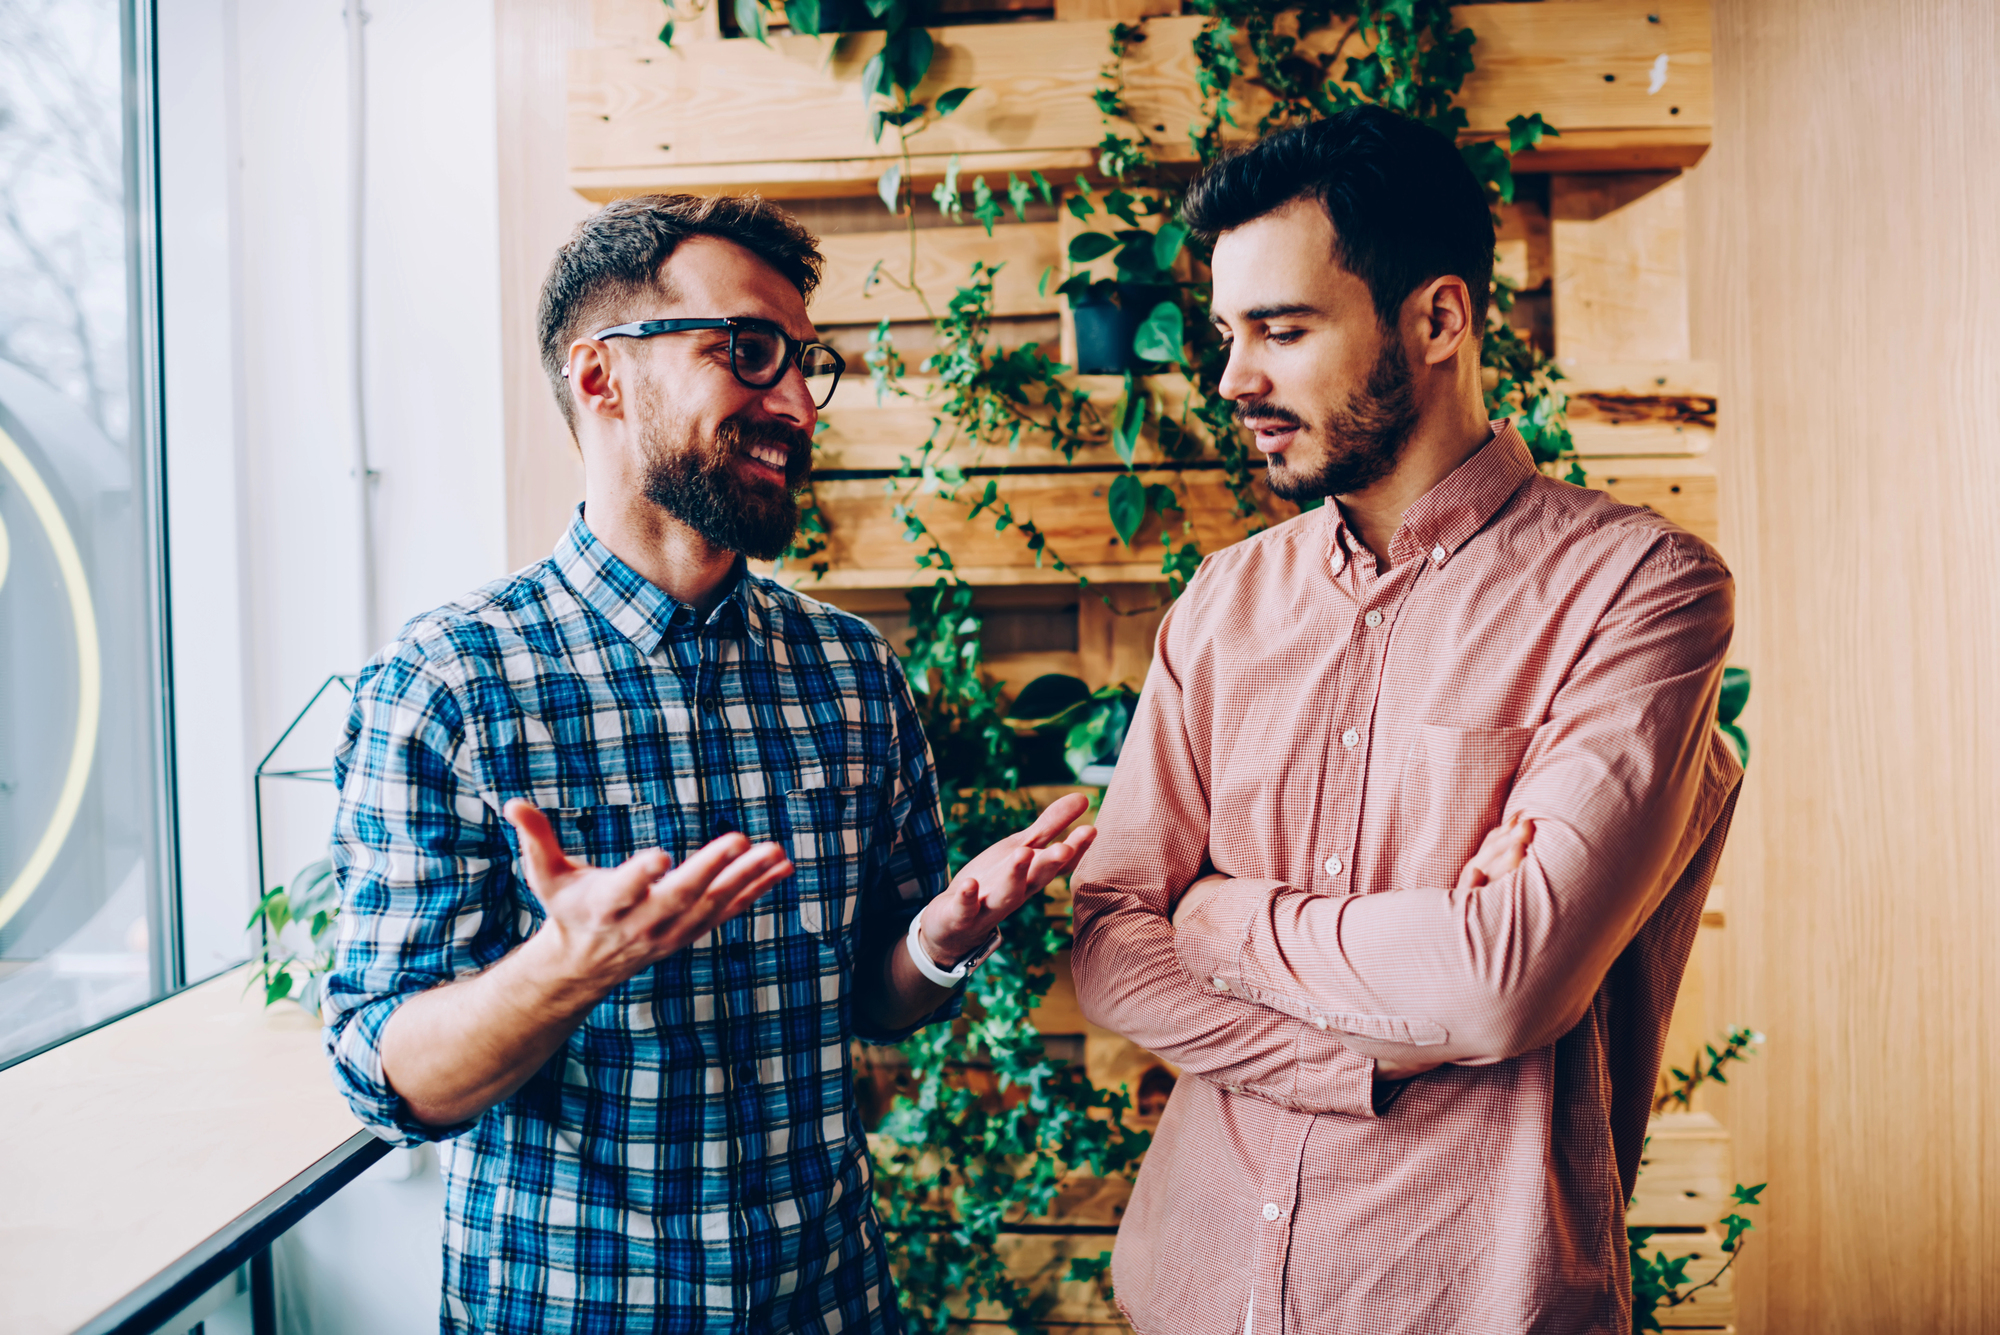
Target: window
[(87, 926)]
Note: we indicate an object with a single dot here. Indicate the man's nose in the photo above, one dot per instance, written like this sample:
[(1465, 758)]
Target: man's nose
[(1241, 377), (791, 401)]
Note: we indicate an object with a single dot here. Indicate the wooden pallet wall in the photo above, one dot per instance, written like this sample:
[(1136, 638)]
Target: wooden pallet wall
[(1596, 240)]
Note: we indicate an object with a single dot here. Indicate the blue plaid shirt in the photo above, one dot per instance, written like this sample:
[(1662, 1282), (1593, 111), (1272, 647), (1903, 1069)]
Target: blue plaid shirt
[(692, 1159)]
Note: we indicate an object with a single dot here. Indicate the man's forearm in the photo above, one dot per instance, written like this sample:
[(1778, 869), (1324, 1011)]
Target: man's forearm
[(895, 995), (456, 1050)]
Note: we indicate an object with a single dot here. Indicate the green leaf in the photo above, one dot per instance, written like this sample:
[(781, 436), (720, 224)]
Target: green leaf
[(1739, 741), (1743, 1195), (1087, 246), (750, 20), (874, 79), (1119, 205), (1524, 132), (945, 192), (1167, 245), (984, 206), (1042, 185), (889, 186), (1019, 194), (902, 115), (804, 15), (1735, 694), (278, 987), (1048, 696), (1127, 504), (1131, 418), (667, 34), (951, 99), (1159, 339), (1079, 208), (1042, 288), (909, 55)]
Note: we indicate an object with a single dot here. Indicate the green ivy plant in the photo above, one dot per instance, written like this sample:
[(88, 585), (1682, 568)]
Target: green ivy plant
[(295, 935)]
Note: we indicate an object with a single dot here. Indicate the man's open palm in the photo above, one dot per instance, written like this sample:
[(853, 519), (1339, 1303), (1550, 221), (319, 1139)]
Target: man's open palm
[(615, 921), (998, 881)]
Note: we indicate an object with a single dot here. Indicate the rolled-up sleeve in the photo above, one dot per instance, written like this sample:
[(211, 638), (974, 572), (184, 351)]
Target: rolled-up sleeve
[(1623, 782), (425, 876), (1151, 845)]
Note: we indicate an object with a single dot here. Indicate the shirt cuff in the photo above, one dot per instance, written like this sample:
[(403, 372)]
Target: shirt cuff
[(1209, 941), (354, 1042)]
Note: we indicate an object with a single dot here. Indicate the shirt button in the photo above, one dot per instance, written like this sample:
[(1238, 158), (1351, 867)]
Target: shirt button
[(1221, 984), (1333, 867), (1350, 737), (724, 826), (1271, 1210), (1319, 1022), (1437, 553), (1373, 619), (710, 705)]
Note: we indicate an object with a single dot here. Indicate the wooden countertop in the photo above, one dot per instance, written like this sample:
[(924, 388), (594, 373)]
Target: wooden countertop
[(132, 1151)]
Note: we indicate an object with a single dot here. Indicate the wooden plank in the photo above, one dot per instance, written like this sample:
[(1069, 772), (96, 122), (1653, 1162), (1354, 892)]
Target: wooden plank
[(1042, 1262), (1684, 1175), (1620, 267), (1712, 1308), (636, 112), (1117, 11), (944, 258), (867, 549), (1059, 1012), (1682, 490)]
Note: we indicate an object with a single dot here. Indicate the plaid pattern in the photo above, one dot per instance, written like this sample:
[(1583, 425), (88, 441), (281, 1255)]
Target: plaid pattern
[(692, 1160), (1336, 734)]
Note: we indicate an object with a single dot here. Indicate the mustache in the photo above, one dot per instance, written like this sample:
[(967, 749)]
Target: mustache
[(1263, 410)]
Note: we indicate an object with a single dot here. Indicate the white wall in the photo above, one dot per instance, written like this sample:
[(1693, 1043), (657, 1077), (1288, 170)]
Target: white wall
[(264, 552)]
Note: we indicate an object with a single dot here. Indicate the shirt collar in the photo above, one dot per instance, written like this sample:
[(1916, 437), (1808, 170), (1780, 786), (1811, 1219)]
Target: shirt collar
[(1445, 517), (638, 609)]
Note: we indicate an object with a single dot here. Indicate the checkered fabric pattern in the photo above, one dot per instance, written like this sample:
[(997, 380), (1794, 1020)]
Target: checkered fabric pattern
[(692, 1160), (1335, 734)]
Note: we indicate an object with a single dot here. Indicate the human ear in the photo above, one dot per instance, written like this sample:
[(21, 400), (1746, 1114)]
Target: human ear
[(1447, 318), (597, 388)]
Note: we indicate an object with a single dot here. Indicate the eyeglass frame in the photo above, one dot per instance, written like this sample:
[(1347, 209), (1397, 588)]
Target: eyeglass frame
[(795, 350)]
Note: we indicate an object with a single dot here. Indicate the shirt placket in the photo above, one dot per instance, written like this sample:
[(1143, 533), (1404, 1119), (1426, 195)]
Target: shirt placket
[(1274, 1226)]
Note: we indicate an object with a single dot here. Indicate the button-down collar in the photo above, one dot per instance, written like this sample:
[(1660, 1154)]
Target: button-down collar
[(640, 610), (1447, 515)]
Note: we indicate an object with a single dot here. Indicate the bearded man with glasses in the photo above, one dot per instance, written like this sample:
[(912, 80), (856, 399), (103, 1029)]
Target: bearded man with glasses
[(633, 843)]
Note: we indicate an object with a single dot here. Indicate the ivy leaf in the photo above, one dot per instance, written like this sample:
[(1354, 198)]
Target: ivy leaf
[(874, 79), (1159, 339), (951, 99), (667, 34), (909, 55), (1088, 246), (889, 186), (945, 192), (1131, 417), (1041, 184), (1042, 288), (1524, 132), (1735, 694), (750, 20), (1743, 1195), (984, 206), (1079, 208), (1119, 205), (1167, 245), (1162, 498), (1019, 193), (1127, 504), (804, 15)]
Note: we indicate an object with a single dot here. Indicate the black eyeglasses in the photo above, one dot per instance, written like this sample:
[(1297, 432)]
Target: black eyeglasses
[(759, 352)]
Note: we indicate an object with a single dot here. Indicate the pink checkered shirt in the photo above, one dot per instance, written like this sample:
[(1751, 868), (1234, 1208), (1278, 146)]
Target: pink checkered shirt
[(1338, 736)]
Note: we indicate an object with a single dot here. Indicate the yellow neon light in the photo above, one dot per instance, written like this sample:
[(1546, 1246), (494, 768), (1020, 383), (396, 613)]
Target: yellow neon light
[(89, 672)]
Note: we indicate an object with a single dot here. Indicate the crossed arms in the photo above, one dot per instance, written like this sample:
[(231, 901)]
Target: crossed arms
[(1307, 1000)]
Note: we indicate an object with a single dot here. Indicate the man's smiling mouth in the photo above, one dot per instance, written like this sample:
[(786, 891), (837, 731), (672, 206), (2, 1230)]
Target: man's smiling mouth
[(774, 457)]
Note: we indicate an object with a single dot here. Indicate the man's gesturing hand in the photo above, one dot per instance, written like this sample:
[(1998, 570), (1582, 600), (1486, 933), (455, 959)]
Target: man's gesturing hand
[(611, 922), (999, 880)]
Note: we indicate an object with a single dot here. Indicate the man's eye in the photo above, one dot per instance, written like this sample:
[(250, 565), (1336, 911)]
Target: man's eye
[(1284, 336)]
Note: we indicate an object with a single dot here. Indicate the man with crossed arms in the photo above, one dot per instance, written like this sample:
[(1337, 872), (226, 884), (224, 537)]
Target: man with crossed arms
[(1412, 1099)]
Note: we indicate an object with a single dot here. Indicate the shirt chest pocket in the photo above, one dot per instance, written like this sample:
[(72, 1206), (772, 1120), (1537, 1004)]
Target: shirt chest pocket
[(831, 829), (1452, 790)]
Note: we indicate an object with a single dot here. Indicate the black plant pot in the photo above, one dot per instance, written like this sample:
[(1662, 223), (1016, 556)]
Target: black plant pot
[(1104, 338), (1104, 332)]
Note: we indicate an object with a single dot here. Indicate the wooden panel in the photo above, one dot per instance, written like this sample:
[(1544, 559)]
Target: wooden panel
[(1683, 490), (1684, 1178), (645, 115), (1712, 1308), (537, 213), (1117, 11), (1042, 1261), (1022, 252), (132, 1145), (1620, 267), (867, 549), (1847, 282)]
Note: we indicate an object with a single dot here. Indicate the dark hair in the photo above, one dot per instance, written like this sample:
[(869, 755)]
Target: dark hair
[(615, 255), (1405, 208)]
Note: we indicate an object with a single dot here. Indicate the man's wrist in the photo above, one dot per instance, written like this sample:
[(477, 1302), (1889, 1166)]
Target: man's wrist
[(553, 981)]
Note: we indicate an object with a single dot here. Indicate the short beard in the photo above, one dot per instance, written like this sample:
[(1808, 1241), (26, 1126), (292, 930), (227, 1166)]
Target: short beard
[(1364, 437), (696, 482)]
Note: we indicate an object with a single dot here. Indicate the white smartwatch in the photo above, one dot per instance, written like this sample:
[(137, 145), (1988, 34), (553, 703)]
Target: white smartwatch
[(947, 977)]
